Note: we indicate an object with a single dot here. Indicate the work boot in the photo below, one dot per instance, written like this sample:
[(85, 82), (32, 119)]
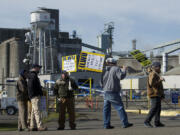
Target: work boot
[(42, 129), (109, 127), (128, 125), (159, 125), (73, 128), (60, 128), (33, 129), (148, 125), (20, 129)]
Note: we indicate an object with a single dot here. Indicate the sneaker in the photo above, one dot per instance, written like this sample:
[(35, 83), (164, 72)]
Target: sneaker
[(128, 125), (60, 128), (148, 124), (109, 127), (159, 125), (42, 129)]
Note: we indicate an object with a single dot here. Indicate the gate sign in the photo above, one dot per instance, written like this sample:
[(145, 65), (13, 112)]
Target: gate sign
[(175, 97), (69, 63), (91, 61), (140, 57)]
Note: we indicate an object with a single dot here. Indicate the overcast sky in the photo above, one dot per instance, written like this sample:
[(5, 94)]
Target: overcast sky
[(151, 22)]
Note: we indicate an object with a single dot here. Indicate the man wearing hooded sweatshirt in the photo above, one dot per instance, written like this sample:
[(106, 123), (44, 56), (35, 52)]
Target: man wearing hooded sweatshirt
[(22, 99), (111, 85)]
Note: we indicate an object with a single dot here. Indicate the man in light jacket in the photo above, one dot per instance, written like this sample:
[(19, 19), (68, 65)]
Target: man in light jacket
[(111, 85)]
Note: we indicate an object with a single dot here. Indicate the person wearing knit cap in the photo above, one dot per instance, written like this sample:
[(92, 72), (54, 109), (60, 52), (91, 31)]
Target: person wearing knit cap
[(22, 99), (63, 90), (155, 93)]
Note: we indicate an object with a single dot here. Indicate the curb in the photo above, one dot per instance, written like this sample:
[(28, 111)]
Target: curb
[(163, 113)]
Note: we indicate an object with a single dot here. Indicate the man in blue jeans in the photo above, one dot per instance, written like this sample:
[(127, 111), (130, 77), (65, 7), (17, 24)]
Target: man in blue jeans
[(111, 85)]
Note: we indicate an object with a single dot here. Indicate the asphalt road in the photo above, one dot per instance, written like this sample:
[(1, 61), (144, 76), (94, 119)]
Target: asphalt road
[(90, 123)]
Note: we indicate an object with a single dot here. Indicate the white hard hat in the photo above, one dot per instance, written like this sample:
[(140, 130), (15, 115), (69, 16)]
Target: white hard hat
[(111, 60)]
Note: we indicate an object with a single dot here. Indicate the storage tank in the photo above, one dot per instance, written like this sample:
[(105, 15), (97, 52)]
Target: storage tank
[(41, 18), (104, 42)]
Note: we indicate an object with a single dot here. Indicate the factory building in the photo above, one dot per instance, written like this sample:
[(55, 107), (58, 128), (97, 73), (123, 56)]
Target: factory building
[(7, 33), (12, 53), (13, 50), (135, 66)]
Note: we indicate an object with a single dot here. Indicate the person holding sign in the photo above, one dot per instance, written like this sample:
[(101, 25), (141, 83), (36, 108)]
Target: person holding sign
[(111, 85), (63, 89), (156, 94)]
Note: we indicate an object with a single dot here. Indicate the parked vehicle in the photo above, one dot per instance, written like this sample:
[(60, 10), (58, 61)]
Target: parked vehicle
[(9, 104)]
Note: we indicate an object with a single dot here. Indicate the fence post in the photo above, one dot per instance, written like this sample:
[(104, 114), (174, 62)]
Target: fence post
[(130, 89), (126, 99), (148, 103), (90, 85)]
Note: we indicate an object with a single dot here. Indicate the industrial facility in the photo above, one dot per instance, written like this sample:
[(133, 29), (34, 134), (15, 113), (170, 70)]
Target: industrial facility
[(43, 43)]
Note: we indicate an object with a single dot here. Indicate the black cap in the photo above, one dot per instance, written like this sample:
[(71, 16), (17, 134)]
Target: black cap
[(156, 64), (36, 65), (22, 72), (64, 72)]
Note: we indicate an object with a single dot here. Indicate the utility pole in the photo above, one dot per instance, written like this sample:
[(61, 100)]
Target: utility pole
[(2, 78)]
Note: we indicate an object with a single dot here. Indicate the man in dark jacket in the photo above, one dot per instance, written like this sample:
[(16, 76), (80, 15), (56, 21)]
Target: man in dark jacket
[(156, 93), (22, 99), (64, 91), (35, 92)]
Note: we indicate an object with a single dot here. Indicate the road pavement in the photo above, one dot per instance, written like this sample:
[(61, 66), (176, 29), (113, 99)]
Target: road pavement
[(90, 123)]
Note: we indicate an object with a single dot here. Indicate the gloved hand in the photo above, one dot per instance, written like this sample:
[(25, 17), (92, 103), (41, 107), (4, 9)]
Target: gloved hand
[(62, 100)]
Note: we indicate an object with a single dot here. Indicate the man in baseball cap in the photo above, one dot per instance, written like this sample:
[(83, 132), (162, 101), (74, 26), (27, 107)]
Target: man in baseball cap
[(35, 92), (36, 66), (110, 82)]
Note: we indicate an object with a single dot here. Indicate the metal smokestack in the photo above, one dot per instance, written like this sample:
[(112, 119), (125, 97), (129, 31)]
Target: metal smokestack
[(134, 44)]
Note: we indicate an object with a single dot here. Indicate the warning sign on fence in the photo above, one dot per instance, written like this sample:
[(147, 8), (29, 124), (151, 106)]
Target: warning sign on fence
[(43, 104), (91, 61), (69, 63), (175, 97)]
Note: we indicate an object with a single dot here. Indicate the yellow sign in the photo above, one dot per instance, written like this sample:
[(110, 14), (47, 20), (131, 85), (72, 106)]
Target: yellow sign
[(140, 57), (69, 63), (91, 61)]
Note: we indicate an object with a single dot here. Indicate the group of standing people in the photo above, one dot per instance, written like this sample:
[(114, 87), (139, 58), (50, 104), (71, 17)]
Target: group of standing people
[(29, 90)]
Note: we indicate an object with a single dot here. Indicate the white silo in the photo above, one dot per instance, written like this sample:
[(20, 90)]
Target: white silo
[(40, 21)]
